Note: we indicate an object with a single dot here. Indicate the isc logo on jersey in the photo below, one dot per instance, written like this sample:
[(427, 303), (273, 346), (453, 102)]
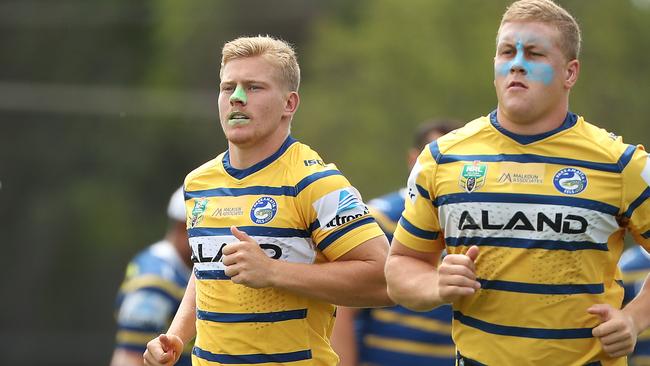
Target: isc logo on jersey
[(339, 207)]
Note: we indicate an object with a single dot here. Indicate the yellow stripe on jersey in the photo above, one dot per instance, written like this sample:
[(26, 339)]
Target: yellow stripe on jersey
[(134, 337), (384, 221), (640, 360), (299, 210), (155, 282), (409, 347), (545, 213), (412, 321), (634, 276)]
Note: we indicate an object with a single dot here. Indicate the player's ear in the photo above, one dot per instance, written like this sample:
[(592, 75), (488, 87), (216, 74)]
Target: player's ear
[(291, 105), (571, 73)]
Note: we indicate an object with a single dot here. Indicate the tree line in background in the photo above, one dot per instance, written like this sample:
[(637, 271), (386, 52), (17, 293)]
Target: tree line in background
[(105, 106)]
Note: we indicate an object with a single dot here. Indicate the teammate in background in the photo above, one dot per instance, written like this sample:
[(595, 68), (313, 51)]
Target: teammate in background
[(635, 265), (531, 203), (152, 289), (278, 235), (396, 335)]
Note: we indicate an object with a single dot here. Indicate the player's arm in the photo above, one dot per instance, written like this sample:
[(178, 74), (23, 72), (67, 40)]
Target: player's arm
[(416, 281), (166, 349), (619, 329), (354, 279), (344, 337)]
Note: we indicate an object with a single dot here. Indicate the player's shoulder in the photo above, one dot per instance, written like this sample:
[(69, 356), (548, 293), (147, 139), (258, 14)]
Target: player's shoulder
[(159, 259), (305, 165), (204, 170), (603, 141), (456, 139), (634, 258)]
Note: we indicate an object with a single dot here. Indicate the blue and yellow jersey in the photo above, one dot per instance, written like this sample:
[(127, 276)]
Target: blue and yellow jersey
[(635, 266), (298, 209), (548, 213), (396, 335), (148, 298)]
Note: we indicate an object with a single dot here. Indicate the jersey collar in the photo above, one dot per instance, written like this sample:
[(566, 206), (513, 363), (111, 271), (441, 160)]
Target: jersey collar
[(569, 121), (243, 173)]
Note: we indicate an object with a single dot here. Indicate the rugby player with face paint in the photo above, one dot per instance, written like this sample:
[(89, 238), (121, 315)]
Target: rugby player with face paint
[(531, 203)]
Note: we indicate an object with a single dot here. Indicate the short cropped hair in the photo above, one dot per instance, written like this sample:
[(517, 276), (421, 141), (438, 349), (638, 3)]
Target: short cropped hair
[(546, 11), (275, 50), (421, 135)]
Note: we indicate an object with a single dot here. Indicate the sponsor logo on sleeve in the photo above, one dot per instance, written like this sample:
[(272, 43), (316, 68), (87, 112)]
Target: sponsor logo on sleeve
[(264, 210), (472, 176), (570, 181), (645, 173), (411, 185), (339, 207)]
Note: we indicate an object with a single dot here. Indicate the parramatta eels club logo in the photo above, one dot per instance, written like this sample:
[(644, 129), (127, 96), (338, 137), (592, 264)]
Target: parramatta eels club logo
[(197, 212), (264, 210), (570, 181), (472, 177)]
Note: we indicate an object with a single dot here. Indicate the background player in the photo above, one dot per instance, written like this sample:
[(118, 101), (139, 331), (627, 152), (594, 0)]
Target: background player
[(278, 235), (531, 203), (396, 335), (152, 289)]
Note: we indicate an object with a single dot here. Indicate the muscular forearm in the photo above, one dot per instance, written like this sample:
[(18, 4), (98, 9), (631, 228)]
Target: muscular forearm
[(639, 308), (412, 283), (346, 282), (184, 323)]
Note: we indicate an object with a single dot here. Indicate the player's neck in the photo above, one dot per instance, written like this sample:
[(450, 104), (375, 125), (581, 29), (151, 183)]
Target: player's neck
[(529, 126), (243, 156)]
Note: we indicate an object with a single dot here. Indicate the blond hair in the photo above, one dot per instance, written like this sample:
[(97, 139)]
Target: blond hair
[(546, 11), (275, 50)]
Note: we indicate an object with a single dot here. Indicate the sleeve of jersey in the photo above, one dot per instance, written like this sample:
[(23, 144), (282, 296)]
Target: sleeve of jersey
[(338, 219), (636, 196), (419, 228)]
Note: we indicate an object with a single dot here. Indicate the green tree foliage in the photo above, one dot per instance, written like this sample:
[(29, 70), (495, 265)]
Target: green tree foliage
[(374, 75)]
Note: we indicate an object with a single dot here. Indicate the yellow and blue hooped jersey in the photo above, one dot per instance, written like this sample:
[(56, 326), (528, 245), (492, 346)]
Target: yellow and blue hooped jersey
[(396, 335), (298, 209), (548, 213), (148, 298), (635, 266)]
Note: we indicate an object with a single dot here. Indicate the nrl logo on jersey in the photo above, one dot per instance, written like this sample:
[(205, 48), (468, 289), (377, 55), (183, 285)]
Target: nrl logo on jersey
[(197, 212), (472, 177)]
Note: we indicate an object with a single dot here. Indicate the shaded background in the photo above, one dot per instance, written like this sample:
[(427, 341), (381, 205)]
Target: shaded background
[(106, 105)]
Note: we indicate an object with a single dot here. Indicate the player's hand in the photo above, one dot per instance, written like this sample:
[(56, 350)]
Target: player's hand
[(246, 263), (457, 275), (164, 350), (616, 332)]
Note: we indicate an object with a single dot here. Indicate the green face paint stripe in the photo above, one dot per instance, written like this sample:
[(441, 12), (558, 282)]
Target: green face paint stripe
[(239, 94)]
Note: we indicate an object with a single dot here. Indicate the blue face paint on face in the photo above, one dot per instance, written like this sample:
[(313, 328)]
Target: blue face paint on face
[(534, 71)]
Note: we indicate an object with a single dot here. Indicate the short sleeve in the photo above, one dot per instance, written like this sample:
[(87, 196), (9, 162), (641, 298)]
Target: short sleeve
[(338, 218), (419, 226), (636, 194)]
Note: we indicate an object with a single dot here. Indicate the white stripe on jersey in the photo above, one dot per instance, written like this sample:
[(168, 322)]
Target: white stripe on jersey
[(296, 250), (599, 225), (645, 174)]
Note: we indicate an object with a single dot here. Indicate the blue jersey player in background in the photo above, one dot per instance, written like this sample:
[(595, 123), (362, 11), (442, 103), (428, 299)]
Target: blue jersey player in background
[(635, 265), (396, 335), (153, 287)]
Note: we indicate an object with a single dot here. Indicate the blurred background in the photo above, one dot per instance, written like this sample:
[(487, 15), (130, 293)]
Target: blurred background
[(106, 105)]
